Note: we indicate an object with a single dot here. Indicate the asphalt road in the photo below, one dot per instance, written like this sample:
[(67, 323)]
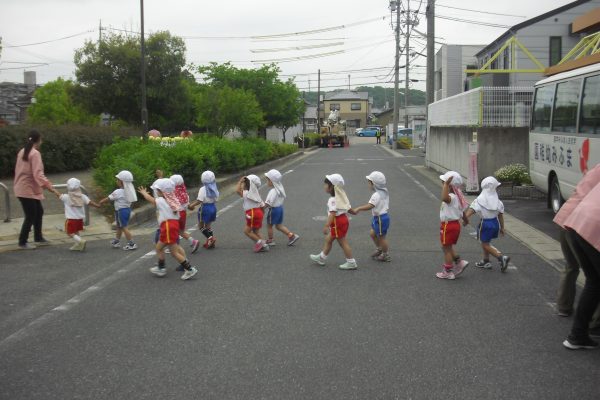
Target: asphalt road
[(98, 325)]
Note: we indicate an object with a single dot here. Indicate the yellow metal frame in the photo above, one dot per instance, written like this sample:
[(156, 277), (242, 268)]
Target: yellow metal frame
[(587, 46), (513, 42)]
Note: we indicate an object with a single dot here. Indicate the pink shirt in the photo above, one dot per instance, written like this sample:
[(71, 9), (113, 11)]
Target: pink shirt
[(590, 179), (585, 218), (30, 180)]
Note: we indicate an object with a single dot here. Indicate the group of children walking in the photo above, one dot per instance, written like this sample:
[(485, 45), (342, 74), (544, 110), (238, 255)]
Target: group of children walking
[(172, 202)]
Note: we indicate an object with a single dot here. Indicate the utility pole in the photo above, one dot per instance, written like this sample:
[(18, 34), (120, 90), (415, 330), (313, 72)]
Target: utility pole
[(430, 12), (348, 81), (319, 101), (407, 51), (100, 32), (143, 72), (395, 6)]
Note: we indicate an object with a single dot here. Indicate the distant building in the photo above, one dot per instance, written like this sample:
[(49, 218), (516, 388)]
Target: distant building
[(451, 60), (15, 98), (414, 113), (354, 107), (548, 38)]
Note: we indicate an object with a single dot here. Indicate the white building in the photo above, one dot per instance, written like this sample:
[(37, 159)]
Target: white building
[(451, 60)]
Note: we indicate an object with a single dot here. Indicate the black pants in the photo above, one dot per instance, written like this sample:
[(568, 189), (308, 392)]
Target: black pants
[(378, 139), (589, 261), (33, 216)]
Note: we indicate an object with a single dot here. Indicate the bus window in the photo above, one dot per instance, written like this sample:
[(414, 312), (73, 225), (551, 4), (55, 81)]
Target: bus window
[(542, 108), (564, 117), (590, 106)]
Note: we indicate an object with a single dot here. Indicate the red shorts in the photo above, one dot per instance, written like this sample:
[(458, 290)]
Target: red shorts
[(449, 233), (73, 226), (169, 231), (254, 218), (182, 220), (340, 226)]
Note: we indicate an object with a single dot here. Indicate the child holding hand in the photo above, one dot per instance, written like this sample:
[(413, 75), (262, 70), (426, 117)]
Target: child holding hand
[(253, 208)]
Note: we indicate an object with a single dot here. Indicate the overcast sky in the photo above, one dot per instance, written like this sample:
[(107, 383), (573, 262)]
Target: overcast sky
[(365, 45)]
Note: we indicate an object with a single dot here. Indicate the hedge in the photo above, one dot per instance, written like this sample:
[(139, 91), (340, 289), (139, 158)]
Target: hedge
[(189, 157), (64, 148)]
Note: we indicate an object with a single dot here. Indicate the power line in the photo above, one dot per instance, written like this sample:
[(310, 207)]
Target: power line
[(49, 41), (314, 46), (481, 12), (321, 30)]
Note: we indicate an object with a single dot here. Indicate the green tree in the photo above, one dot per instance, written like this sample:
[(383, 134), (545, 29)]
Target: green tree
[(290, 107), (54, 105), (108, 74), (278, 102), (223, 108)]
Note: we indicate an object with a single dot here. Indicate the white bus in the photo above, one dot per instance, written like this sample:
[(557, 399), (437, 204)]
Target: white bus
[(564, 137)]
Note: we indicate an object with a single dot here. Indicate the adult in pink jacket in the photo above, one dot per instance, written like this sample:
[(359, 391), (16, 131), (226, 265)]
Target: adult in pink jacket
[(29, 186)]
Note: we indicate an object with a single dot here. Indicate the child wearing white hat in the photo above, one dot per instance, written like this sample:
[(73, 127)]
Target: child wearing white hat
[(337, 223), (74, 201), (253, 205), (451, 211), (208, 195), (274, 203), (184, 200), (167, 207), (122, 198), (491, 209), (379, 204)]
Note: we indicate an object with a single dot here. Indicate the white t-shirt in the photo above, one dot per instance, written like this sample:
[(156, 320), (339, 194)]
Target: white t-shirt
[(332, 207), (274, 199), (451, 211), (484, 212), (248, 203), (72, 212), (164, 211), (203, 198), (381, 205), (119, 198)]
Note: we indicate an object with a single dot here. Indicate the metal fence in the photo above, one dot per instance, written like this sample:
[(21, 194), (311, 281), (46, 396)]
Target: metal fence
[(484, 107)]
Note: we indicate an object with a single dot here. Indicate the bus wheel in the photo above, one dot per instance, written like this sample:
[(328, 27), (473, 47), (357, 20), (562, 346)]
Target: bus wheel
[(556, 199)]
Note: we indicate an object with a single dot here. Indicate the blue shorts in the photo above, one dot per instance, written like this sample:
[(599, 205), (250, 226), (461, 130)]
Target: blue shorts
[(122, 217), (207, 213), (380, 224), (275, 216), (488, 230)]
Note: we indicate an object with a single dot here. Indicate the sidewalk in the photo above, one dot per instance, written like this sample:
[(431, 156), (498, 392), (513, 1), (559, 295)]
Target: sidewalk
[(99, 227)]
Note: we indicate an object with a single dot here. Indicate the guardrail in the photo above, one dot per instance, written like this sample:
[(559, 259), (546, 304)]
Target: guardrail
[(6, 201), (86, 207)]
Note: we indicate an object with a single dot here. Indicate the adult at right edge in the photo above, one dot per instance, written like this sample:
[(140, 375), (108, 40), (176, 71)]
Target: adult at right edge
[(29, 185)]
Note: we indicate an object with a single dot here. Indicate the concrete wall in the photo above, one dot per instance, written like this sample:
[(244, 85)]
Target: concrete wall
[(447, 148)]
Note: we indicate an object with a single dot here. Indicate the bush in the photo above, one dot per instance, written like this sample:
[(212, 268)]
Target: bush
[(310, 139), (405, 143), (189, 157), (515, 173), (64, 148)]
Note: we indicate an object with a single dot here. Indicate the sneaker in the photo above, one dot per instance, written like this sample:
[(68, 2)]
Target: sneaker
[(564, 313), (483, 264), (572, 343), (210, 242), (316, 258), (376, 254), (195, 245), (130, 246), (189, 273), (504, 263), (75, 247), (271, 242), (27, 246), (42, 242), (258, 246), (385, 257), (82, 244), (265, 247), (115, 243), (293, 239), (156, 270), (446, 275), (348, 265), (460, 266), (205, 245)]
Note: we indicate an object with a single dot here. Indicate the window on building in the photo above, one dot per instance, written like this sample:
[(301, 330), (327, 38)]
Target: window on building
[(506, 58), (590, 106), (542, 108), (355, 106), (555, 50), (334, 106), (564, 116)]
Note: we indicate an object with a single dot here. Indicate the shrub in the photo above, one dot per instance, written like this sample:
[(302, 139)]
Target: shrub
[(405, 143), (516, 173), (64, 148), (188, 157)]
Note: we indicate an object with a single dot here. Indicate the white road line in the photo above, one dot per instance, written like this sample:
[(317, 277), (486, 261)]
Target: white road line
[(392, 152), (419, 184)]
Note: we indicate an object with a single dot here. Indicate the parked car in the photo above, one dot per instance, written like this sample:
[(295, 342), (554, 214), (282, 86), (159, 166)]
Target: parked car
[(369, 132), (357, 131)]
